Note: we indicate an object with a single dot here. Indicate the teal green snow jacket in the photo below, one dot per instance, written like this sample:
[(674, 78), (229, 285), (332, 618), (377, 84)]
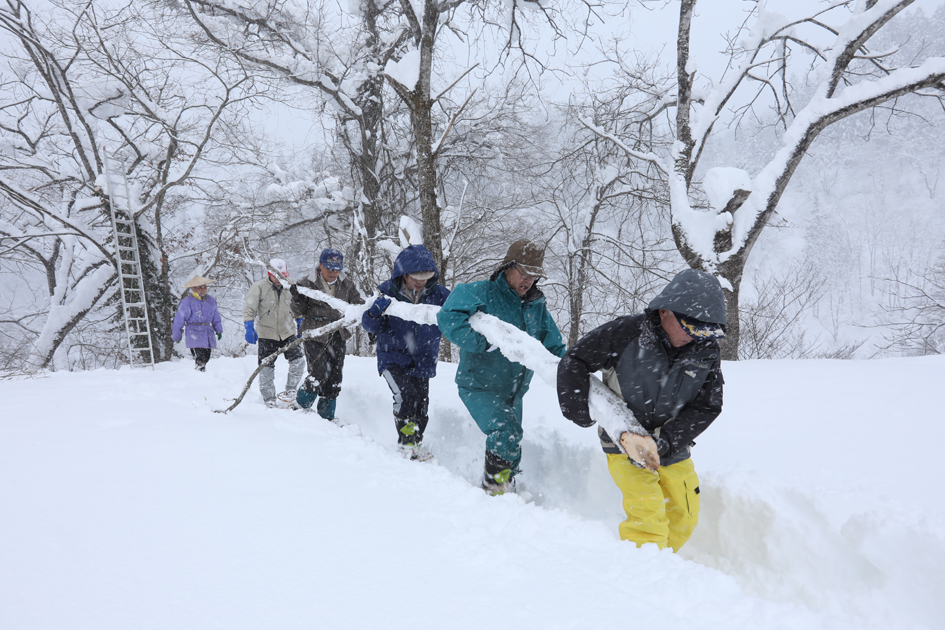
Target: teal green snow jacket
[(481, 370)]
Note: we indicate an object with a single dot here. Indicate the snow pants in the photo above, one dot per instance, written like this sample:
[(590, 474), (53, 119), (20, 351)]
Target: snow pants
[(201, 356), (500, 418), (411, 404), (326, 362), (662, 506), (267, 376)]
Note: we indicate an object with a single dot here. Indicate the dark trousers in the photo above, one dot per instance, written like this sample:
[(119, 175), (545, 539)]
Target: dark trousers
[(411, 402), (326, 362), (201, 355), (271, 346)]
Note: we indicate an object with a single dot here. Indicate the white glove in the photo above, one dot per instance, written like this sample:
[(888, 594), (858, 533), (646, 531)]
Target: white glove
[(641, 449)]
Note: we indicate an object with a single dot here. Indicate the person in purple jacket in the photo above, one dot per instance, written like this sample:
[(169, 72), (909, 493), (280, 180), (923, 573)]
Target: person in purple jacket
[(198, 314), (406, 351)]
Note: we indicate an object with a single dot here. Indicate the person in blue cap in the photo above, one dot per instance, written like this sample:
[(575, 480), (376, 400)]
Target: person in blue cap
[(406, 351), (325, 353)]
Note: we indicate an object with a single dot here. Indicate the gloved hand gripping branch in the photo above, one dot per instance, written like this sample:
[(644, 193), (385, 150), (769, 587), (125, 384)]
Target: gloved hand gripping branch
[(380, 305)]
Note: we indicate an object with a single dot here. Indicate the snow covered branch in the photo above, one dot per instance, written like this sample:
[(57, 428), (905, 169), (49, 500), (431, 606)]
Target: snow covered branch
[(766, 53)]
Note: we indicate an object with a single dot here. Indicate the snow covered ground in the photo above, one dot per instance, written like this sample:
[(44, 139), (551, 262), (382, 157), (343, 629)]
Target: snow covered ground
[(127, 503)]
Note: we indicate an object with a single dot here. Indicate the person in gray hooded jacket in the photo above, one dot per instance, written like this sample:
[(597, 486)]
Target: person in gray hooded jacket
[(666, 365)]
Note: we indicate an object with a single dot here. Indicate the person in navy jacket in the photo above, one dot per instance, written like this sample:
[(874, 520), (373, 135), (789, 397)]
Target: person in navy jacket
[(406, 351)]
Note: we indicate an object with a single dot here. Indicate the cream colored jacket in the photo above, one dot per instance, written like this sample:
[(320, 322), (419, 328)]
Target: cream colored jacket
[(271, 311)]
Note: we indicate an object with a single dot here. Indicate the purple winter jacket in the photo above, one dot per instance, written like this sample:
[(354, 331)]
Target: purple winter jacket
[(202, 320)]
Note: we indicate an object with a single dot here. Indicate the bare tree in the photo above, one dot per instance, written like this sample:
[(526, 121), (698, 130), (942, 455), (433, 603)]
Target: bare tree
[(608, 215), (411, 73), (772, 326), (830, 47), (916, 311), (340, 57), (71, 93)]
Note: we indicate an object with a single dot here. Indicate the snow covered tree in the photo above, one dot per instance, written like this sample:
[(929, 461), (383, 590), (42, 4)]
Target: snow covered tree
[(339, 55), (609, 217), (79, 82), (718, 213), (346, 55)]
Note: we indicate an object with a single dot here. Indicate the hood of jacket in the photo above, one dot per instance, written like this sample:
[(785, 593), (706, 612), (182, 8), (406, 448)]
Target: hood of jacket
[(694, 293), (413, 259)]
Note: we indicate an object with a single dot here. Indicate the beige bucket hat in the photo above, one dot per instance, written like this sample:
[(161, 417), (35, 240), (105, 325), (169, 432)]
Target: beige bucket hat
[(197, 281)]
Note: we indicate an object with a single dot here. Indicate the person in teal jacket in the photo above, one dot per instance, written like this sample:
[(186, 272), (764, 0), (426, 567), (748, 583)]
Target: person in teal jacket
[(490, 385)]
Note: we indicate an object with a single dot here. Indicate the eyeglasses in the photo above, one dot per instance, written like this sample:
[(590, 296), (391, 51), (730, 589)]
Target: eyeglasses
[(525, 276)]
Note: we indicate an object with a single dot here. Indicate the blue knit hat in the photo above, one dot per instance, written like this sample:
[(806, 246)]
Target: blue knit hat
[(332, 259)]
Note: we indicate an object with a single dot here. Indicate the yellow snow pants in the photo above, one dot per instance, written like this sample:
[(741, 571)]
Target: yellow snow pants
[(662, 506)]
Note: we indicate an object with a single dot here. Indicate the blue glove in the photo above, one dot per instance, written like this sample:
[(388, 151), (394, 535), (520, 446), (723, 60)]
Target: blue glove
[(219, 336), (298, 326), (251, 335), (380, 305)]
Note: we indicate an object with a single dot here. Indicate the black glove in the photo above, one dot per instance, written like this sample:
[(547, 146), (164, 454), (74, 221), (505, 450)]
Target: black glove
[(662, 447), (584, 422)]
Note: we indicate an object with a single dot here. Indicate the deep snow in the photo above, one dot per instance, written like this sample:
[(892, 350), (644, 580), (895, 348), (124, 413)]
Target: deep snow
[(128, 503)]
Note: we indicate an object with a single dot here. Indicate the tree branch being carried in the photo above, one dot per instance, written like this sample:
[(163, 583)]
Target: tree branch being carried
[(515, 344)]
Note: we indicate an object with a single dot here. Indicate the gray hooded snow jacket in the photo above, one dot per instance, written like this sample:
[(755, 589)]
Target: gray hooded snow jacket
[(675, 393)]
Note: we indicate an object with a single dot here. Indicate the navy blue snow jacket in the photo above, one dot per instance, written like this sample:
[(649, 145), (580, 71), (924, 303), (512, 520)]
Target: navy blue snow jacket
[(412, 346)]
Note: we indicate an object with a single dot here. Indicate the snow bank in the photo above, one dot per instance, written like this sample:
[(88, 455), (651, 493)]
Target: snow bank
[(129, 503)]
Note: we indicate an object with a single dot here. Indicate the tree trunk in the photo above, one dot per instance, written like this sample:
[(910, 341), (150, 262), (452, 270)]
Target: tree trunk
[(579, 279), (366, 162), (370, 100), (422, 119), (576, 299), (733, 329)]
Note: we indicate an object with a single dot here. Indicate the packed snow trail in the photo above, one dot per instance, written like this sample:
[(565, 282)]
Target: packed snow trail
[(604, 406)]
